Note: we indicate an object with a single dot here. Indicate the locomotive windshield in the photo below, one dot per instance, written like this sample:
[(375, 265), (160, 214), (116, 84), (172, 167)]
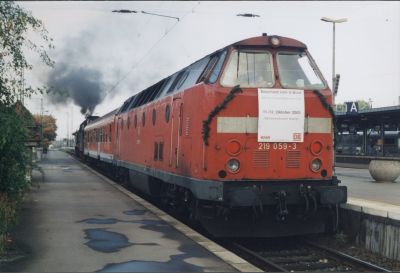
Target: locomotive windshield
[(249, 69), (255, 69), (296, 71)]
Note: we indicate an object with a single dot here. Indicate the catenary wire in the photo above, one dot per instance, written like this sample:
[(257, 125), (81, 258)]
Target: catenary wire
[(150, 49)]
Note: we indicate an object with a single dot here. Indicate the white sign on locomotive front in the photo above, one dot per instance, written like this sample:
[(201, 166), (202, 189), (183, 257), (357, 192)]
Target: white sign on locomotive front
[(280, 115)]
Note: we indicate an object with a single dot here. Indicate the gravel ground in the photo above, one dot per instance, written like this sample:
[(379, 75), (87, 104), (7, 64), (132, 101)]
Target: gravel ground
[(340, 243)]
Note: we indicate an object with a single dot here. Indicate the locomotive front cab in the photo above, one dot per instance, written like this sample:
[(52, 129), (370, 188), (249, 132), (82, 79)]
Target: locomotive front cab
[(271, 145), (294, 118)]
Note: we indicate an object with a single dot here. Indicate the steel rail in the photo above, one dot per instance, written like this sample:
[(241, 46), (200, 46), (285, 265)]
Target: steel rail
[(355, 263), (260, 258), (349, 258)]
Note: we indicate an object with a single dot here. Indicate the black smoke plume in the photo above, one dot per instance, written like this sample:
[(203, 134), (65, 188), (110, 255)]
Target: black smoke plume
[(77, 75), (82, 85)]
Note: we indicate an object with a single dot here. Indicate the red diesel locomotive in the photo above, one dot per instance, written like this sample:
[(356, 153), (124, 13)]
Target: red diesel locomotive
[(242, 140)]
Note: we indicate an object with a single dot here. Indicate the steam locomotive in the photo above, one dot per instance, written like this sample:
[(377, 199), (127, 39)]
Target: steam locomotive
[(240, 141)]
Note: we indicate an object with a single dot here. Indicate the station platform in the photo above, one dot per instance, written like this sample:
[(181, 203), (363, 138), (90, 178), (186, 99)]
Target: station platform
[(371, 216), (76, 220), (364, 193)]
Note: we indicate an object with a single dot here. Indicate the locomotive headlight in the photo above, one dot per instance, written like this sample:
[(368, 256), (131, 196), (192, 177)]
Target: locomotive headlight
[(233, 165), (233, 147), (274, 41), (316, 147), (316, 164)]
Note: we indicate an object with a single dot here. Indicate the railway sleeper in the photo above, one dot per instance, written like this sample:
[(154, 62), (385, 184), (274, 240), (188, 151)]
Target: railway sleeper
[(309, 266), (295, 259)]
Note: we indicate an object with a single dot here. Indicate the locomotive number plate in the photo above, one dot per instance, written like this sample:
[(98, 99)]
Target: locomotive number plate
[(277, 146)]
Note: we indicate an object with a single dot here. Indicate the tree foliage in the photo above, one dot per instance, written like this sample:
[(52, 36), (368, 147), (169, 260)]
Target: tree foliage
[(13, 166), (15, 120), (13, 159), (47, 123), (15, 24)]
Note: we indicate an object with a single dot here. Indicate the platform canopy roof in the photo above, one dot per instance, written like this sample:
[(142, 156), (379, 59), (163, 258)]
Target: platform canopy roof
[(389, 117)]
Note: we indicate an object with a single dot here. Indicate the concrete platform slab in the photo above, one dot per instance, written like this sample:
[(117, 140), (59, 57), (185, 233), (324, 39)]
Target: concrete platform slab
[(372, 213), (367, 196), (361, 185), (373, 208), (77, 222)]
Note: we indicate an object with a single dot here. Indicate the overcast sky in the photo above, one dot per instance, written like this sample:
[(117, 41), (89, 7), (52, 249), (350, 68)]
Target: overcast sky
[(121, 54)]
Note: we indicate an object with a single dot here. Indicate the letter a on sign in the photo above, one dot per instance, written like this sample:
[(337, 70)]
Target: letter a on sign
[(352, 107)]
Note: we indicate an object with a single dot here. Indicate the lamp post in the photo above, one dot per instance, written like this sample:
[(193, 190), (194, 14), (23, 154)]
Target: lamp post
[(41, 122), (43, 112), (333, 21), (67, 128)]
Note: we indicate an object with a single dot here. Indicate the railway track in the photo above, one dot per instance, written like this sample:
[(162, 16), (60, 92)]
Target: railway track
[(302, 256)]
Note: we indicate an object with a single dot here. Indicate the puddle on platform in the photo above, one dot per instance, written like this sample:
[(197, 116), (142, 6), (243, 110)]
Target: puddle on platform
[(135, 212), (110, 221), (176, 264), (107, 221), (105, 241)]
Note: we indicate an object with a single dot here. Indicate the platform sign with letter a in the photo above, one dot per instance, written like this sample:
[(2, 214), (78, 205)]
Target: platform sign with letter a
[(352, 107), (280, 115)]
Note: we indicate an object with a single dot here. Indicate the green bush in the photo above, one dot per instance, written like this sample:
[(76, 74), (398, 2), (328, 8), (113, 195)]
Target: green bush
[(15, 24), (13, 167), (8, 217)]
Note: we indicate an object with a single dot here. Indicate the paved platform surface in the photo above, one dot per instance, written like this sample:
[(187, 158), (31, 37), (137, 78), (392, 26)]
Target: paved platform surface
[(361, 185), (77, 222), (376, 198)]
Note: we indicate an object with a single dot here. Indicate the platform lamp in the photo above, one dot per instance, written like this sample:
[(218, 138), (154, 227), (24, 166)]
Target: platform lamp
[(333, 21), (335, 80), (42, 113), (67, 128)]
